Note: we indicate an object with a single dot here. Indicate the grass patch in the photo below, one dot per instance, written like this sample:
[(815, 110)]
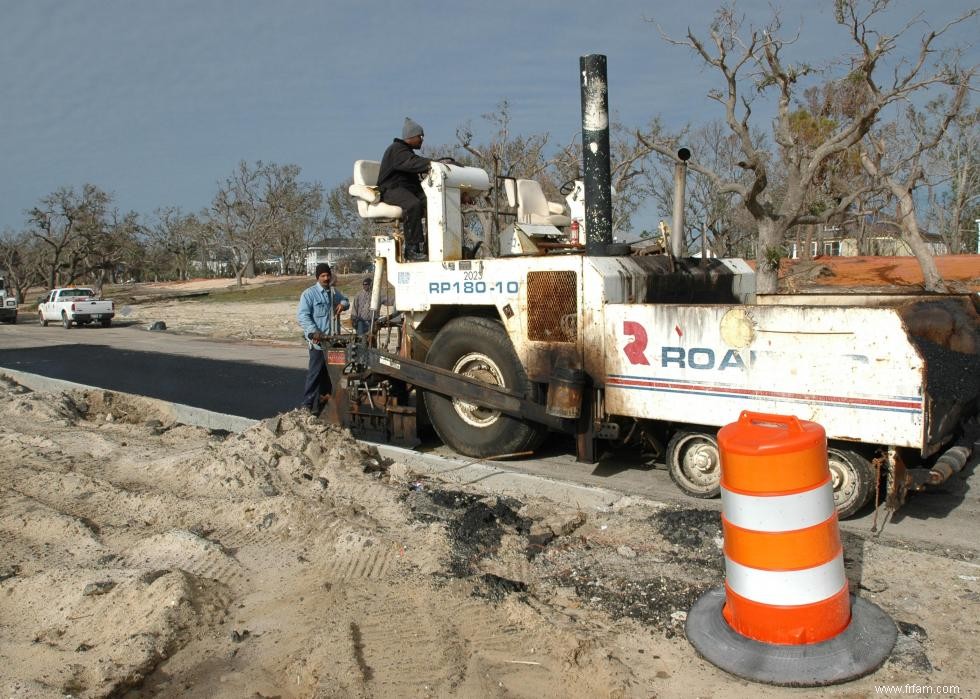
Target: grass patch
[(288, 290), (276, 291)]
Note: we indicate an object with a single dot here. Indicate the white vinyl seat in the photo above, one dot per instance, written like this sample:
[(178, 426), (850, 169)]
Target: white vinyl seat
[(365, 190), (532, 207)]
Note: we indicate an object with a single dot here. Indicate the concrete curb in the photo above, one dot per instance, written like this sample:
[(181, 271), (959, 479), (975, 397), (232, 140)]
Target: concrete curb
[(463, 471)]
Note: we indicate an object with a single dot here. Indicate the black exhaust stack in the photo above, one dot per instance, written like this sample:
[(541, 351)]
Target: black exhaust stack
[(595, 155)]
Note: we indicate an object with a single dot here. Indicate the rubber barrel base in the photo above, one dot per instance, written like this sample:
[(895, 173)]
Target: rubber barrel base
[(858, 650)]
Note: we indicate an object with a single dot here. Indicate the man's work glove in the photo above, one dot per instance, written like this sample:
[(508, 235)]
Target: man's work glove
[(315, 337)]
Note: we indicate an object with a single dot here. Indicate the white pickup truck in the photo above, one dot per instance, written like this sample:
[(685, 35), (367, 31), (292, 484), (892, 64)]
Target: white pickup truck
[(76, 305)]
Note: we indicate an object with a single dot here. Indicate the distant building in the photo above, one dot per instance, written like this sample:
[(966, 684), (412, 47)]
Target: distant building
[(214, 267), (347, 254), (881, 240)]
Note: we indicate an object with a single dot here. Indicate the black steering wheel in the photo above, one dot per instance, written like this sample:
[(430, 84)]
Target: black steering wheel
[(447, 160), (567, 188)]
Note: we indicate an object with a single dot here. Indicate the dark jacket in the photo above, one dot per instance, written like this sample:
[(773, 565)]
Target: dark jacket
[(400, 168)]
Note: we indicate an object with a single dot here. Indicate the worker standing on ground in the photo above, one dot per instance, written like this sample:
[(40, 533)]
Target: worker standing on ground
[(319, 315), (398, 182), (360, 309)]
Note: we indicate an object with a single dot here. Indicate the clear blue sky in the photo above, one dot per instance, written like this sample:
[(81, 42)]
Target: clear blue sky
[(156, 101)]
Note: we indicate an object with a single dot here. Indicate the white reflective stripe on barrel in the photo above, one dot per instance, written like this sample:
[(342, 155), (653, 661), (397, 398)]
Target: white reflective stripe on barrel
[(786, 587), (779, 513)]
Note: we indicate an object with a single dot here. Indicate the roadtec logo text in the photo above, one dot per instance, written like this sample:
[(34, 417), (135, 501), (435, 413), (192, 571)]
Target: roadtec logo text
[(689, 358)]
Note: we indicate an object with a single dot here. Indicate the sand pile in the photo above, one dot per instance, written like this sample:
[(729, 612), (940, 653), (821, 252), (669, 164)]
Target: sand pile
[(139, 557)]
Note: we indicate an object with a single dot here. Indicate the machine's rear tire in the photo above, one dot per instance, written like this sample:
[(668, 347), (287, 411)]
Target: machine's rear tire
[(479, 348), (853, 479), (65, 320), (106, 322), (694, 463)]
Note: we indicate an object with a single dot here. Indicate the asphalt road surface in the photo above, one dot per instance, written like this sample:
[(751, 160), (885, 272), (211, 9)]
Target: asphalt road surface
[(258, 380), (218, 376)]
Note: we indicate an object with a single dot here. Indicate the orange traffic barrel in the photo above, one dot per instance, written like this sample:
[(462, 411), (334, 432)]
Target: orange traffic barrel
[(785, 615), (784, 564)]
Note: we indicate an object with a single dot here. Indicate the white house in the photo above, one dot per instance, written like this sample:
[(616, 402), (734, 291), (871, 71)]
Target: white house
[(334, 251)]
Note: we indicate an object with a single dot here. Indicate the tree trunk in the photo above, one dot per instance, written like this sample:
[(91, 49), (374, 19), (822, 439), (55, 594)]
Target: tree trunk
[(908, 226), (809, 237), (910, 233), (767, 257)]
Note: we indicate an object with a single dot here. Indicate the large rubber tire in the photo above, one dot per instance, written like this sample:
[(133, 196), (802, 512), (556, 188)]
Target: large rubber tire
[(479, 348), (694, 463), (106, 322), (853, 479), (65, 320), (42, 319)]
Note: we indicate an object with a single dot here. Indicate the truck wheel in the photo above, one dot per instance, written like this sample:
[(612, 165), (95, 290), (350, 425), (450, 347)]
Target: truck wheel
[(480, 349), (42, 319), (694, 463), (65, 320), (106, 322), (853, 479)]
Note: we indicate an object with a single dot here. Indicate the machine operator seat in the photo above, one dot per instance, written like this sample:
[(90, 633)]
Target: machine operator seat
[(365, 190), (532, 207)]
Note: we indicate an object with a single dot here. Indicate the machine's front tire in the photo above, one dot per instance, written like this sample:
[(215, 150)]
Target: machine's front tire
[(65, 320), (480, 349), (42, 319), (694, 463), (853, 479)]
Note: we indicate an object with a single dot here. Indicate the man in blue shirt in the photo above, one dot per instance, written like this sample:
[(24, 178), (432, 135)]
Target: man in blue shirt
[(319, 315)]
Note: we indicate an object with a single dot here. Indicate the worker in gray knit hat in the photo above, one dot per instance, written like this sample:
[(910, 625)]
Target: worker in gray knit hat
[(398, 181)]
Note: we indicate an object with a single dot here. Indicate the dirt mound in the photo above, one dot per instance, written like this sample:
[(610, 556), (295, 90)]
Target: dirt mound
[(145, 558), (100, 631), (138, 553)]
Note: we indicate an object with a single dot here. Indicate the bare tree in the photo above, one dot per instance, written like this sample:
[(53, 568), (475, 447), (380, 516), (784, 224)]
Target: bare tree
[(754, 60), (60, 222), (18, 258), (894, 155), (520, 156), (716, 222), (339, 218), (172, 242), (505, 154), (290, 210), (104, 243), (953, 174), (237, 217), (630, 167), (261, 210)]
